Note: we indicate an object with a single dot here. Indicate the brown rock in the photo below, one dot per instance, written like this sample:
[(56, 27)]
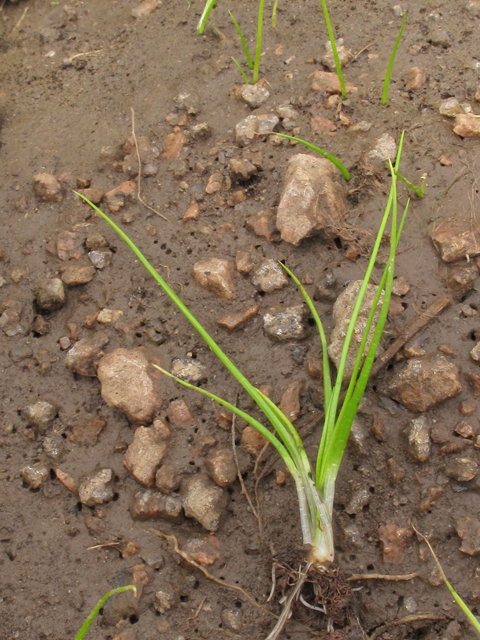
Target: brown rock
[(329, 82), (225, 419), (311, 203), (314, 366), (358, 501), (94, 195), (50, 295), (430, 496), (215, 275), (233, 321), (192, 213), (379, 428), (220, 466), (461, 469), (47, 188), (262, 224), (145, 8), (173, 145), (242, 169), (269, 276), (467, 125), (145, 454), (474, 382), (40, 415), (423, 383), (95, 240), (67, 480), (35, 475), (243, 262), (75, 275), (286, 325), (318, 124), (86, 429), (396, 473), (419, 439), (415, 79), (252, 440), (152, 505), (96, 488), (204, 550), (394, 539), (84, 356), (290, 401), (468, 530), (400, 287), (189, 369), (215, 183), (69, 246), (168, 478), (130, 384), (205, 501), (465, 428), (10, 320), (461, 279), (180, 415)]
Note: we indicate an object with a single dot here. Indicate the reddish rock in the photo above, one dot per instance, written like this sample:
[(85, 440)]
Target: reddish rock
[(205, 501), (262, 224), (173, 145), (318, 124), (192, 213), (468, 530), (252, 440), (204, 550), (96, 488), (47, 188), (152, 505), (329, 83), (415, 79), (233, 321), (394, 540), (423, 383), (69, 246), (180, 415), (84, 356), (67, 480), (215, 183), (148, 449), (290, 401), (455, 240), (220, 466), (216, 275), (86, 429), (145, 8), (242, 169), (168, 478), (243, 261), (467, 125)]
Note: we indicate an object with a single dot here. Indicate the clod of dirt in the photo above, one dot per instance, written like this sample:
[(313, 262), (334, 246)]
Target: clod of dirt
[(145, 8), (422, 383), (415, 79), (251, 127), (220, 466), (288, 115), (216, 275), (86, 353), (180, 415), (269, 276), (254, 95), (342, 313), (286, 325), (461, 279), (50, 295), (146, 452), (204, 501), (461, 469), (130, 384), (242, 169), (165, 599), (450, 108), (253, 441), (47, 188), (396, 473), (204, 550), (358, 500), (311, 202), (328, 82), (86, 429), (233, 321), (35, 475), (75, 275), (344, 55), (189, 369), (168, 478), (394, 540), (40, 415), (290, 400), (100, 259), (96, 488), (385, 149), (455, 240), (152, 505), (232, 619), (468, 530), (467, 125), (350, 537), (419, 439)]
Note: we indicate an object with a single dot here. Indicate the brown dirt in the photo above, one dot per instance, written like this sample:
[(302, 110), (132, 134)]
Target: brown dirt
[(55, 117)]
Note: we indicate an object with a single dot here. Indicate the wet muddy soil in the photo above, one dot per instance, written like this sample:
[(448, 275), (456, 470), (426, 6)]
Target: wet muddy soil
[(70, 75)]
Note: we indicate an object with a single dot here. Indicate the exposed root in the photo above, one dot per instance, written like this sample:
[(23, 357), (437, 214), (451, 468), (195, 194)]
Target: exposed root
[(380, 576), (407, 620)]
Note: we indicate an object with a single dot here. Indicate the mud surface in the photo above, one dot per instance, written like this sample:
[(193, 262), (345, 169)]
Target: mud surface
[(70, 74)]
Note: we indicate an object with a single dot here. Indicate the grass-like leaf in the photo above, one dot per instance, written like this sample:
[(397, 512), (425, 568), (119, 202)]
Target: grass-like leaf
[(258, 51), (419, 191), (239, 67), (274, 14), (86, 625), (331, 36), (392, 60), (323, 153), (204, 17), (242, 39)]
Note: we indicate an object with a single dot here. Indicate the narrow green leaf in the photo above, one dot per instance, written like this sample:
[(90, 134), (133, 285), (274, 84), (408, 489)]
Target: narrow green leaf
[(85, 626), (331, 36), (244, 44), (258, 51), (204, 17), (323, 153), (274, 14), (419, 191), (392, 60), (241, 71)]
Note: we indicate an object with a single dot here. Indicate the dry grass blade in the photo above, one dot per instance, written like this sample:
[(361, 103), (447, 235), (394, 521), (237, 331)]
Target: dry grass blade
[(379, 576)]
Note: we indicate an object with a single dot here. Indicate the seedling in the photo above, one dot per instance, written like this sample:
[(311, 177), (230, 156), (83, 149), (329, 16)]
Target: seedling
[(392, 60), (204, 17), (274, 14), (315, 485), (338, 66), (323, 153), (258, 50), (86, 625), (419, 191)]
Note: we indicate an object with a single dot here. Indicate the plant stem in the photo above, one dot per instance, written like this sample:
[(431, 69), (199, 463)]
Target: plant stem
[(244, 44), (204, 17), (323, 153), (392, 59), (331, 36), (241, 70), (85, 626), (274, 14), (258, 51), (419, 191)]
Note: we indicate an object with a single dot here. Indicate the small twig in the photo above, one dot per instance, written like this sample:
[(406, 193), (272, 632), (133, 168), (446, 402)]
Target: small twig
[(21, 19), (171, 538), (84, 53), (139, 177), (274, 581), (197, 612), (364, 49), (410, 330), (242, 483), (104, 545), (378, 576), (407, 620)]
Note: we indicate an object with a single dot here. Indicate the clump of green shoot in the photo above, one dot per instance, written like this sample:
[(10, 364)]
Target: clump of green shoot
[(86, 625), (392, 60), (314, 481), (338, 66)]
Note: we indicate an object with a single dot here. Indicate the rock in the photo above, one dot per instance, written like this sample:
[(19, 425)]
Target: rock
[(50, 295), (148, 449), (351, 538), (450, 108), (220, 466), (100, 259), (86, 429), (342, 312), (290, 400), (10, 320), (453, 630), (168, 478), (359, 500), (35, 475), (396, 473), (84, 356), (215, 183), (344, 56), (439, 37), (205, 502), (423, 383), (165, 599), (47, 188), (121, 606), (468, 530), (192, 213), (288, 115), (319, 124), (394, 539), (189, 369), (215, 275), (314, 367), (461, 469), (96, 488), (362, 126), (253, 126), (243, 262), (311, 203), (233, 321), (242, 169), (467, 125), (53, 447), (269, 276), (252, 440), (200, 131), (329, 83), (254, 95), (130, 384), (69, 246), (263, 224), (204, 550), (67, 480), (109, 316), (145, 8), (289, 324), (429, 496), (40, 415), (419, 439), (385, 149), (455, 240), (400, 286), (359, 437), (75, 275), (461, 279), (475, 352), (232, 619), (180, 415), (188, 101), (415, 79), (152, 505)]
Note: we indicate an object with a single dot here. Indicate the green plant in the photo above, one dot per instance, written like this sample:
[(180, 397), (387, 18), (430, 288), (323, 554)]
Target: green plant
[(258, 50), (333, 44), (323, 153), (244, 44), (204, 17), (392, 60), (85, 626), (274, 14), (315, 485), (419, 191)]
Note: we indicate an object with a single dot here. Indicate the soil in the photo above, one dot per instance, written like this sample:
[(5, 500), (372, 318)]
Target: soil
[(70, 73)]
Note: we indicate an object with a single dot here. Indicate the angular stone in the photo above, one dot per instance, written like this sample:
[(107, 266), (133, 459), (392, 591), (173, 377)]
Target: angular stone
[(152, 505), (344, 57), (329, 83), (359, 437), (289, 324), (252, 440), (290, 400), (243, 262), (204, 550), (232, 619), (69, 246), (461, 279), (450, 108), (96, 488), (130, 384), (205, 501), (455, 240), (288, 115), (189, 369), (419, 439), (394, 540), (242, 169), (47, 188), (467, 125), (75, 275), (220, 466), (423, 383), (168, 478), (109, 316), (200, 131), (233, 321), (415, 79), (145, 454), (86, 429), (263, 224), (254, 95), (359, 500), (468, 530), (311, 202), (215, 183), (35, 475), (269, 276), (67, 480), (10, 320), (385, 149), (84, 356), (180, 415), (100, 258), (40, 415), (319, 124), (461, 469), (254, 126), (342, 312), (216, 275), (50, 295)]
